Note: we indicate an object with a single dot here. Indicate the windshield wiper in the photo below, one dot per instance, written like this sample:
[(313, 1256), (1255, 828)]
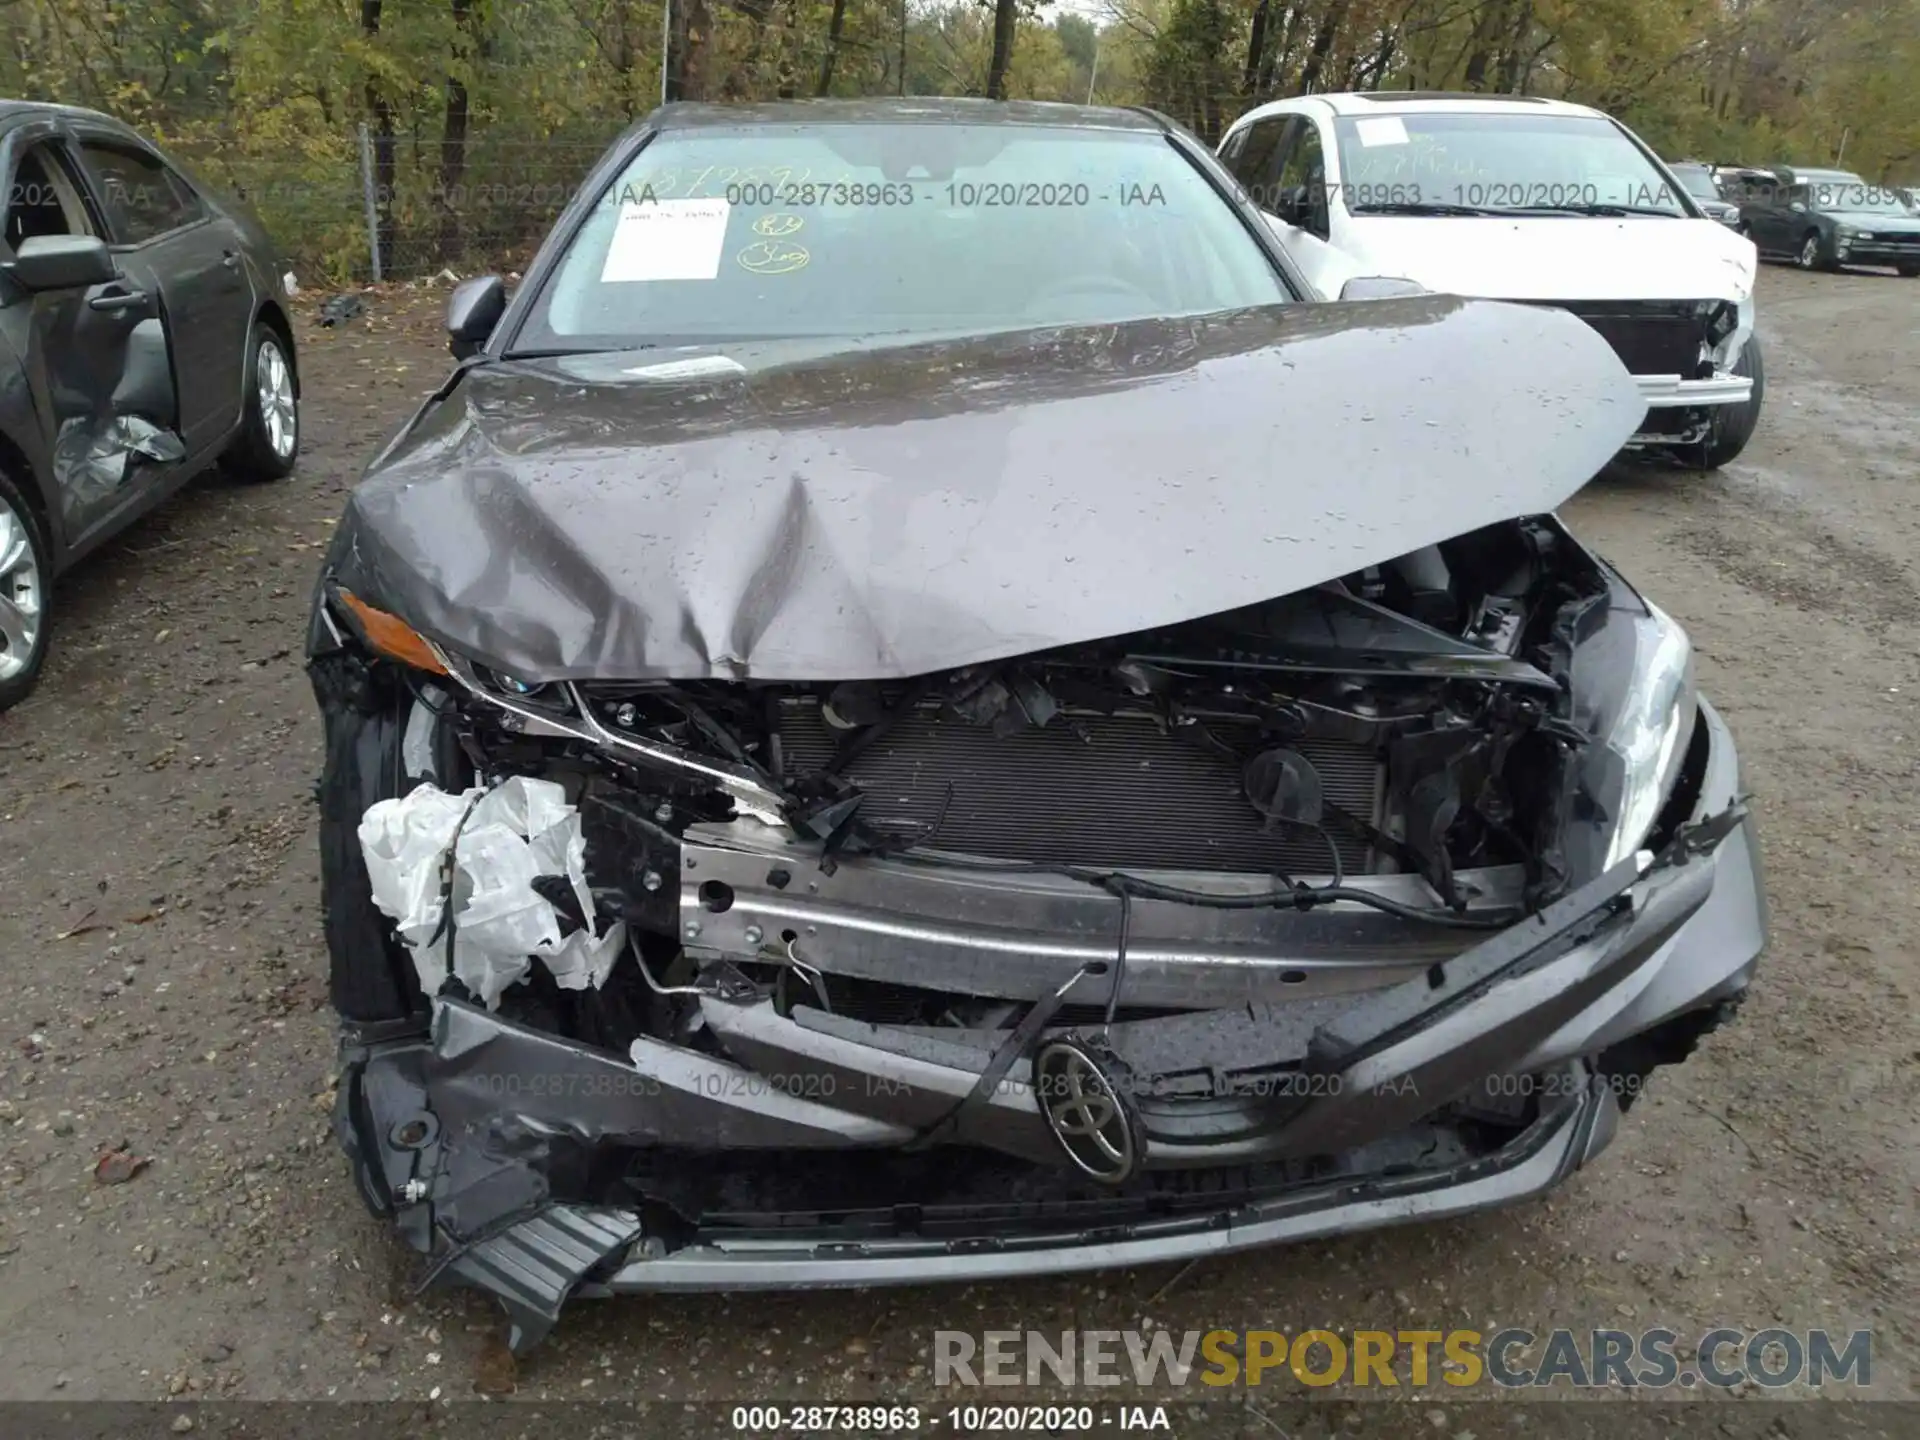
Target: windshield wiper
[(1606, 210), (552, 352), (1420, 207)]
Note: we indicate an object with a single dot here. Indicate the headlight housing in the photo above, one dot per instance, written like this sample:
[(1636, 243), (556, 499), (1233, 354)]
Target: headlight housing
[(1728, 323), (388, 634), (1651, 728), (510, 684), (1723, 318)]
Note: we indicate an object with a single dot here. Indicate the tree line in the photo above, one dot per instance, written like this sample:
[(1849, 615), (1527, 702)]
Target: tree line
[(478, 114)]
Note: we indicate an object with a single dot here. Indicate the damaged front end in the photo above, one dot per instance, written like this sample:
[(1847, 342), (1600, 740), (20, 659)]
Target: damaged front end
[(1372, 902)]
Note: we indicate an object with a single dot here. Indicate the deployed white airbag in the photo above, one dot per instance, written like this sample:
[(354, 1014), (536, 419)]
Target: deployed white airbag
[(518, 831)]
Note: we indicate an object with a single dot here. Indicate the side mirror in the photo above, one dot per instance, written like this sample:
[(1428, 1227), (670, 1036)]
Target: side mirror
[(473, 309), (62, 262), (1381, 287)]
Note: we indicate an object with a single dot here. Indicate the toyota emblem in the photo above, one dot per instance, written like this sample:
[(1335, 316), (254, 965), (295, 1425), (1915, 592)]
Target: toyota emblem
[(1083, 1106)]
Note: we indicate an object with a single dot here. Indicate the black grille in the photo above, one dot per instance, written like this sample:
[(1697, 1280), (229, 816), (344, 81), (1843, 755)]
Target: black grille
[(1651, 338), (1088, 790)]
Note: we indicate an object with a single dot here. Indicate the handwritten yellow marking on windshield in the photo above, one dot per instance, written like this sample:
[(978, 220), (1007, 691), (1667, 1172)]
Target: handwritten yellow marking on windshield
[(773, 257), (775, 226)]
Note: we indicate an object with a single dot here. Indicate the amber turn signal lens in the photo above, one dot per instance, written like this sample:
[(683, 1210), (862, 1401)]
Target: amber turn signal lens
[(391, 635)]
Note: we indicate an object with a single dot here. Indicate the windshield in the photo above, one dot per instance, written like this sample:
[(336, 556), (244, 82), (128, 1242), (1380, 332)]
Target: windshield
[(1854, 196), (1698, 182), (1506, 161), (866, 230)]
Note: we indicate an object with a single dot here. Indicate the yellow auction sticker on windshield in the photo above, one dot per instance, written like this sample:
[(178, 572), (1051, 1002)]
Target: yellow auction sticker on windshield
[(667, 240), (774, 226), (773, 257)]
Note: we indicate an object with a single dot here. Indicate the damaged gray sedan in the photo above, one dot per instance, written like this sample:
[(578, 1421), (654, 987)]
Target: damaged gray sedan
[(876, 735)]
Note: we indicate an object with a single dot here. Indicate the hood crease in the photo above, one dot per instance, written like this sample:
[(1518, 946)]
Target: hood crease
[(881, 512)]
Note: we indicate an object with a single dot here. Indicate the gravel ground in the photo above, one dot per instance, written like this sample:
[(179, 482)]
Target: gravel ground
[(167, 981)]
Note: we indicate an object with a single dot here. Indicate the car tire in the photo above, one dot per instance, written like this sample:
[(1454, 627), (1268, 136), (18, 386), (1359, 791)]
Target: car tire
[(268, 444), (1807, 257), (1626, 1066), (365, 710), (26, 585), (1733, 425), (1909, 271)]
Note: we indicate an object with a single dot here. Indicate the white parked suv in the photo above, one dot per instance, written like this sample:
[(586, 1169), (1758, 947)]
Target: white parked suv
[(1512, 197)]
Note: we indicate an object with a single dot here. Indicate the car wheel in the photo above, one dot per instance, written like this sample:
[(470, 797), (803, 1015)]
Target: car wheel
[(269, 439), (25, 575), (1909, 270), (1809, 256), (1733, 425)]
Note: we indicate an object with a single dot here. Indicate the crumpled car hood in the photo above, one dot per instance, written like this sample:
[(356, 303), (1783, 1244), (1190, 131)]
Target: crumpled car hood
[(795, 511)]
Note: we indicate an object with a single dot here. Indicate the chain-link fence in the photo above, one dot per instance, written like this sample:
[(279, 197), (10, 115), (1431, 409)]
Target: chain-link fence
[(310, 197), (489, 211), (357, 205)]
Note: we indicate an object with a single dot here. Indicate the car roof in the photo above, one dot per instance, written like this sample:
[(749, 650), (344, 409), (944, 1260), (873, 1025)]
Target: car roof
[(886, 110), (14, 109), (1794, 172), (1417, 102)]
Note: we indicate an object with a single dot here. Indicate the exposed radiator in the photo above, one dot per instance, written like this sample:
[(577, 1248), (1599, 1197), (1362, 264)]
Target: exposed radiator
[(1654, 337), (1092, 790)]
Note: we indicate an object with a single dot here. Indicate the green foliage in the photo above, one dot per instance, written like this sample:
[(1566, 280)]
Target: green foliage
[(1193, 69)]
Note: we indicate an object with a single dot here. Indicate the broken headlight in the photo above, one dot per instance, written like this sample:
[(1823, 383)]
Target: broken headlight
[(1723, 318), (510, 684), (1725, 324), (1651, 728), (387, 634)]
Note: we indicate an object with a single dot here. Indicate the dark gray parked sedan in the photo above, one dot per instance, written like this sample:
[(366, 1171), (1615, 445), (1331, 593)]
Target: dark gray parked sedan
[(921, 708), (143, 336)]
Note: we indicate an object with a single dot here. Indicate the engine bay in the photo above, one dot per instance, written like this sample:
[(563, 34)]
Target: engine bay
[(1397, 730)]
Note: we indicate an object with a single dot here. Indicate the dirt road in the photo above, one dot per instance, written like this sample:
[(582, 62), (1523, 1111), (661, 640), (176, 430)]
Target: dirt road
[(165, 981)]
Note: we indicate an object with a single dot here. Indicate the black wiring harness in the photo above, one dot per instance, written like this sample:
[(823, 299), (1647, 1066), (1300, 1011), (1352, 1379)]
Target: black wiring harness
[(1289, 893)]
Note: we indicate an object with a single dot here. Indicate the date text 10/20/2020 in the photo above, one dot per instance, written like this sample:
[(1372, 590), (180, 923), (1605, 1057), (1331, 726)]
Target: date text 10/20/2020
[(807, 194), (957, 1419)]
